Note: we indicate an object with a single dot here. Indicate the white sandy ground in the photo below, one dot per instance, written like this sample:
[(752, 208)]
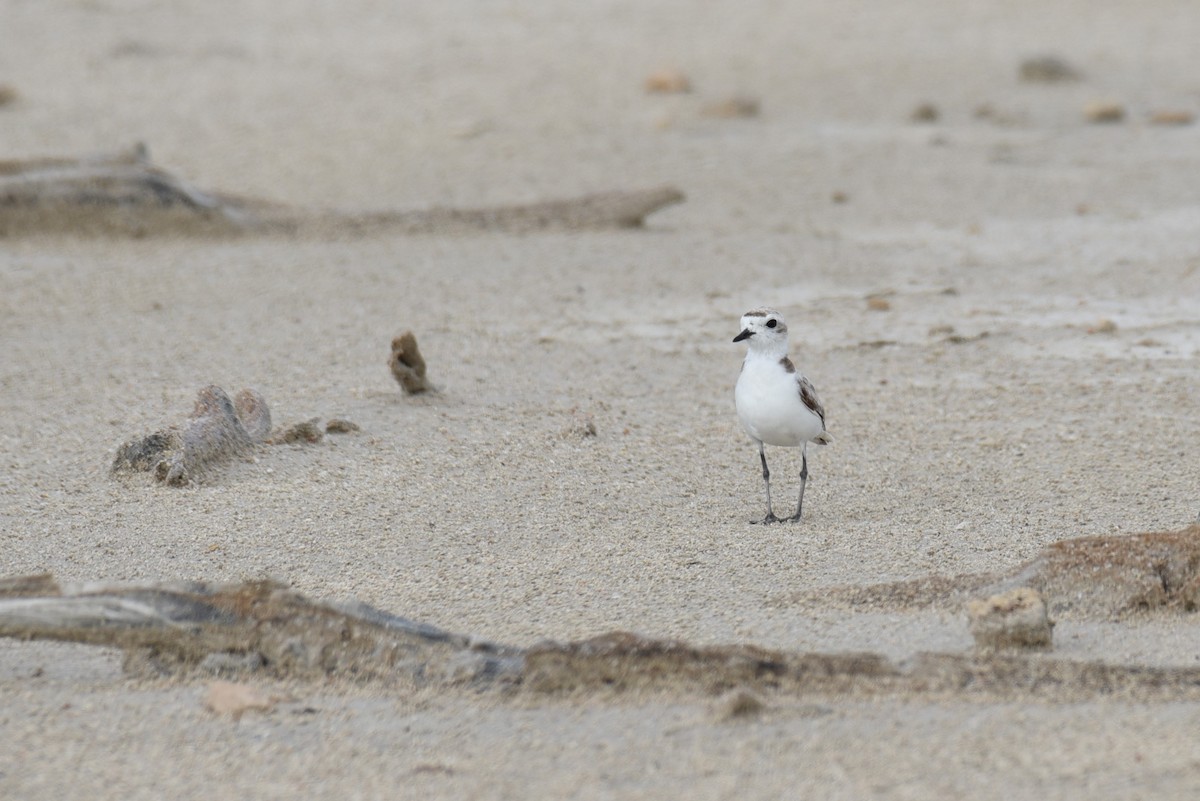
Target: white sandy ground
[(484, 509)]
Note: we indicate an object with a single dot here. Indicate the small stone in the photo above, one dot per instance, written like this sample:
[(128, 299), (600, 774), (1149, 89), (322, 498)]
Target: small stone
[(839, 197), (340, 426), (1172, 117), (8, 94), (1013, 619), (925, 112), (1103, 111), (738, 106), (879, 304), (1104, 326), (667, 82), (408, 366), (1047, 69)]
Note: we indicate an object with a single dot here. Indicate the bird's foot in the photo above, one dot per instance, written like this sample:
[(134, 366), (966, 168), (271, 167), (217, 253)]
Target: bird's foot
[(794, 518), (770, 518)]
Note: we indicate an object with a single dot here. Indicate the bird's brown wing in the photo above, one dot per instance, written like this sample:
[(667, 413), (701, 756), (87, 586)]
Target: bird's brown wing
[(808, 394)]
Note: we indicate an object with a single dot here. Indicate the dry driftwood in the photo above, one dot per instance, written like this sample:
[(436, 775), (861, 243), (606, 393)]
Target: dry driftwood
[(184, 629), (125, 195)]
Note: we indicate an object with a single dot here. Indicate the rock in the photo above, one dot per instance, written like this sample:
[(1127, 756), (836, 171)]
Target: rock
[(1013, 619), (1172, 117), (1047, 69), (408, 366), (737, 106), (667, 81), (340, 426), (925, 112), (1099, 111)]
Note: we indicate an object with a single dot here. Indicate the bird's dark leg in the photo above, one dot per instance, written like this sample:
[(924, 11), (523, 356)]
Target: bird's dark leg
[(803, 481), (770, 518)]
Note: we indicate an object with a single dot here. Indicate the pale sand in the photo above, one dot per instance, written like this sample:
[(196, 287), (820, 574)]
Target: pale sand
[(484, 509)]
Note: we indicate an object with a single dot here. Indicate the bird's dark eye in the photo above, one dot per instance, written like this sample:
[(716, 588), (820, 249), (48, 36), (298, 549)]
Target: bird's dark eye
[(771, 323)]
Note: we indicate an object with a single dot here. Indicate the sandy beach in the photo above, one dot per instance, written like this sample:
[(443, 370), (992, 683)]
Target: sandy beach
[(996, 301)]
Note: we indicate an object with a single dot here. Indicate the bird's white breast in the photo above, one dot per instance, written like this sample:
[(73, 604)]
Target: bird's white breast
[(769, 407)]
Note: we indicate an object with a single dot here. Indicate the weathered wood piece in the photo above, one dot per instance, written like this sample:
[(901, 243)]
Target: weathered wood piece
[(124, 194), (263, 627)]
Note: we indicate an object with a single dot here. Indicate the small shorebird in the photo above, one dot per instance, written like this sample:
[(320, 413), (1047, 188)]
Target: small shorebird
[(776, 404)]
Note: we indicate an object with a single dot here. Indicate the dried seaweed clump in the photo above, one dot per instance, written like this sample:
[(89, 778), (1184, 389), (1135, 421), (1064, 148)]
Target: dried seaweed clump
[(408, 366), (218, 430), (1115, 575)]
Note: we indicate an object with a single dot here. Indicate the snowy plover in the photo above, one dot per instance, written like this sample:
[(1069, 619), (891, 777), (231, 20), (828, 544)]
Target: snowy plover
[(775, 404)]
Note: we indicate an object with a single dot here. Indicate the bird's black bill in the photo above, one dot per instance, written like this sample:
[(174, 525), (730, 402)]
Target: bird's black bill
[(746, 334)]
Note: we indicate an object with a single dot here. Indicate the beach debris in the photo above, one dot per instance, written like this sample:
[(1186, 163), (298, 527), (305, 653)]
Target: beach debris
[(169, 629), (407, 364), (877, 303), (963, 339), (1105, 577), (733, 107), (990, 113), (8, 94), (1104, 111), (1103, 326), (308, 431), (740, 703), (924, 112), (1047, 69), (218, 430), (338, 425), (1172, 117), (172, 629), (233, 699), (124, 194), (838, 196), (667, 82), (1113, 576), (1013, 619), (582, 426)]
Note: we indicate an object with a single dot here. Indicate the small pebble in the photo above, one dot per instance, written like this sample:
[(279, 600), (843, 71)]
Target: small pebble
[(1172, 117), (667, 82), (925, 112), (1103, 111), (1047, 69), (738, 106)]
